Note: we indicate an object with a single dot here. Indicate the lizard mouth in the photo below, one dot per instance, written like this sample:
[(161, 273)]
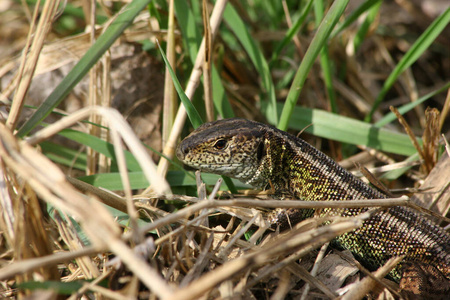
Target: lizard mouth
[(224, 168), (218, 168)]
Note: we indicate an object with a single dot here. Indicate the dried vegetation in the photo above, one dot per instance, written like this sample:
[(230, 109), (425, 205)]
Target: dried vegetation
[(62, 236)]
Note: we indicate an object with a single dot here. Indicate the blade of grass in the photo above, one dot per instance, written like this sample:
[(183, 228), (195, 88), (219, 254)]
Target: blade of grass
[(62, 288), (273, 10), (354, 15), (39, 29), (416, 50), (75, 11), (207, 82), (123, 19), (389, 117), (186, 18), (169, 148), (352, 131), (343, 129), (192, 113), (112, 181), (254, 51), (314, 48), (221, 103), (395, 174), (325, 61), (291, 33), (190, 33), (365, 26), (100, 146), (64, 155), (170, 102)]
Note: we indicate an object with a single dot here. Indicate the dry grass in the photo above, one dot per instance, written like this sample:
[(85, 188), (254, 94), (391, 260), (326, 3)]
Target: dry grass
[(189, 247)]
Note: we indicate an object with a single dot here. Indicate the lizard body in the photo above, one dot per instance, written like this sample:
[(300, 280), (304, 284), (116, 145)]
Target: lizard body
[(260, 155)]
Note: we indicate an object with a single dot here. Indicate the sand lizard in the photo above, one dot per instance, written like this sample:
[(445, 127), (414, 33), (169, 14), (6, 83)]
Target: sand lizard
[(257, 154)]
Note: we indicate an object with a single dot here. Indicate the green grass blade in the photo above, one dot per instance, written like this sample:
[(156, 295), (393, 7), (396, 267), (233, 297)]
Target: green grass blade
[(326, 64), (291, 32), (254, 51), (346, 130), (113, 182), (314, 49), (365, 26), (62, 288), (191, 35), (395, 174), (354, 15), (220, 99), (64, 155), (389, 117), (67, 156), (416, 50), (325, 61), (192, 39), (103, 43), (100, 146), (192, 113)]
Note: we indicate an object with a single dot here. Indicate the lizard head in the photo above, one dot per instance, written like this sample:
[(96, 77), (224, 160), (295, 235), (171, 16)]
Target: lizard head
[(231, 147)]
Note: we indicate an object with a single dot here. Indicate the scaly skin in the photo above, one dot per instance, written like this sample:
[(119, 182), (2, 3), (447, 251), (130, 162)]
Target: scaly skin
[(258, 154)]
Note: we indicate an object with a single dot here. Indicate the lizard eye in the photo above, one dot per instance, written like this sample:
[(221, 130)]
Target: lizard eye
[(220, 144)]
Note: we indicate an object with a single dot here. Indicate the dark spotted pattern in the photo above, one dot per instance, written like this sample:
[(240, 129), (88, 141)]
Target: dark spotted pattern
[(258, 154)]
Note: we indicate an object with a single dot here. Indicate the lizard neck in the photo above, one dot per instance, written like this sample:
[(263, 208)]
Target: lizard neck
[(273, 164), (297, 170)]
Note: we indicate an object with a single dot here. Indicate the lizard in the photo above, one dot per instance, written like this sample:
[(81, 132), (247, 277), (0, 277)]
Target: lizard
[(262, 156)]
